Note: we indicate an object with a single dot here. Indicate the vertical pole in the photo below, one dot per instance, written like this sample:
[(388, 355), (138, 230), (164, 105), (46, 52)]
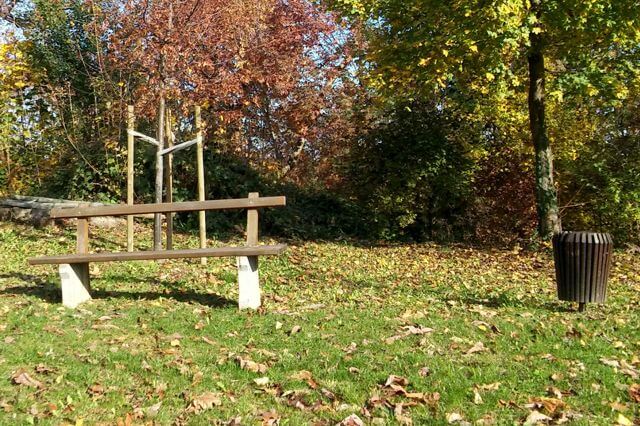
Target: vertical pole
[(201, 197), (82, 238), (169, 181), (248, 279), (157, 223), (130, 154), (252, 223), (74, 278)]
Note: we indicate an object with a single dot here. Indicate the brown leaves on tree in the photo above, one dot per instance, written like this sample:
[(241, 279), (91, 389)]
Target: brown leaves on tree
[(266, 70)]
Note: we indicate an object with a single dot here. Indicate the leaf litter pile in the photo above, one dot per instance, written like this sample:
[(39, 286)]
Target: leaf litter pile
[(348, 335)]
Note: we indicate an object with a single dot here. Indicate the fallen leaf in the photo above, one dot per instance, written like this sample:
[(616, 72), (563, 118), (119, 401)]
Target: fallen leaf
[(305, 376), (478, 347), (610, 362), (21, 377), (401, 418), (278, 325), (623, 421), (396, 380), (328, 394), (204, 402), (152, 412), (352, 420), (477, 399), (634, 392), (261, 381), (207, 340), (43, 369), (535, 417), (247, 364), (270, 418), (96, 390), (424, 371), (490, 386), (294, 330), (454, 418)]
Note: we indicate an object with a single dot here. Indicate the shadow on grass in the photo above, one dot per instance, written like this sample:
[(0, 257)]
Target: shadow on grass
[(505, 301), (49, 291)]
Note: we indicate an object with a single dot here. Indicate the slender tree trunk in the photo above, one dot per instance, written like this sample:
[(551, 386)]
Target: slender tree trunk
[(546, 195), (157, 223)]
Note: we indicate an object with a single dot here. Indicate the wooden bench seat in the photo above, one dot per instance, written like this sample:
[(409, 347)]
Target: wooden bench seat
[(159, 254), (74, 268)]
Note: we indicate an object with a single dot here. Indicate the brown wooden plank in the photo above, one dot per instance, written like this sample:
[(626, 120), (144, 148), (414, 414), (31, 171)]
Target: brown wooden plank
[(187, 206), (160, 254)]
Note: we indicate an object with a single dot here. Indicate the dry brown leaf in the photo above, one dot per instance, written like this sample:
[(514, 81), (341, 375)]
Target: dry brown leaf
[(490, 386), (536, 417), (305, 376), (550, 406), (400, 416), (247, 364), (261, 381), (478, 347), (43, 369), (96, 390), (21, 377), (424, 371), (408, 330), (634, 392), (454, 418), (207, 340), (270, 418), (294, 330), (610, 362), (396, 380), (352, 420), (204, 402)]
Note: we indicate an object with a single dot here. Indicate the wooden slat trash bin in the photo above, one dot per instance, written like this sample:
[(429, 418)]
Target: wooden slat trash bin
[(583, 263)]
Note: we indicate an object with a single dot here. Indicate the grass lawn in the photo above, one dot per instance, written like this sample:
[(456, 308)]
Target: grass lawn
[(397, 334)]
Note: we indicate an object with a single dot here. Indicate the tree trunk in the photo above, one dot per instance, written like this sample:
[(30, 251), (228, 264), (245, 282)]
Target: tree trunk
[(157, 222), (546, 195)]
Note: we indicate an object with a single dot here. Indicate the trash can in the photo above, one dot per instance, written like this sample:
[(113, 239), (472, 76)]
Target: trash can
[(583, 264)]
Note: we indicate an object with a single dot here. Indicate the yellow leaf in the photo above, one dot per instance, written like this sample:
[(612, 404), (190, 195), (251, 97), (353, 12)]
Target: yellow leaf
[(623, 421), (445, 52), (473, 48), (490, 76)]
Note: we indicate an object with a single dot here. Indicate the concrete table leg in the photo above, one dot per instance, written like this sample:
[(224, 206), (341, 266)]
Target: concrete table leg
[(248, 282), (75, 284)]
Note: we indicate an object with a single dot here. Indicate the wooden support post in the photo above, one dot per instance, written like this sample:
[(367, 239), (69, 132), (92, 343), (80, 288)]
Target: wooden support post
[(74, 278), (248, 279), (130, 158), (157, 222), (169, 180), (201, 195)]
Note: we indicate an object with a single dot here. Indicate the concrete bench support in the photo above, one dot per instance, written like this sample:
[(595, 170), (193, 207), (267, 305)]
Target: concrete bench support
[(248, 283), (75, 284)]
